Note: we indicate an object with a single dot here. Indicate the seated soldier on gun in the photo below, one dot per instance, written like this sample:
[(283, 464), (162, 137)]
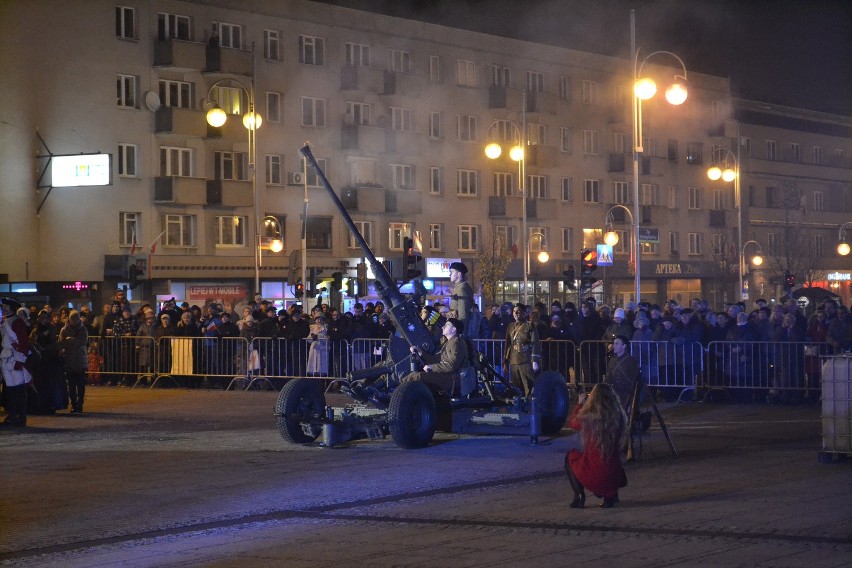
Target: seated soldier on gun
[(442, 368)]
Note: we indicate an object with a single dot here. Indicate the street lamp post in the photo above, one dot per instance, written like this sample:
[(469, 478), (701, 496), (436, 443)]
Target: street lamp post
[(643, 89), (543, 255), (518, 153), (843, 248), (756, 260), (216, 117), (722, 169), (610, 236)]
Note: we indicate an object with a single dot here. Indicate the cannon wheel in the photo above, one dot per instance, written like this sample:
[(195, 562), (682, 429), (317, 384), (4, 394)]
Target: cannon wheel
[(412, 415), (551, 401), (299, 397)]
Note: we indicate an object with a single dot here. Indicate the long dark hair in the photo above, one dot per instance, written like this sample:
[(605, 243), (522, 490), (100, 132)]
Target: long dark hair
[(603, 421)]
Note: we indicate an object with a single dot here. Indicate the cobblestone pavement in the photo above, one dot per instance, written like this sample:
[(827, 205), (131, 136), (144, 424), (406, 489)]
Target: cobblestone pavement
[(173, 477)]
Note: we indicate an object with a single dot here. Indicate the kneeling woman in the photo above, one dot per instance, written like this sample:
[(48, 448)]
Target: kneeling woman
[(594, 460)]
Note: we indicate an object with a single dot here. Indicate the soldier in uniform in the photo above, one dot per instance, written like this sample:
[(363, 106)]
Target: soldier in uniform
[(523, 350), (462, 297), (442, 368)]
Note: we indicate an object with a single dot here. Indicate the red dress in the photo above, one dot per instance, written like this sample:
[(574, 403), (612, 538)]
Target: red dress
[(601, 477)]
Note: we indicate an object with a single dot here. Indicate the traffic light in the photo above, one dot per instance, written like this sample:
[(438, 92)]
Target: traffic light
[(410, 260), (133, 274), (570, 278), (789, 281), (362, 279), (337, 281), (588, 264), (312, 282), (299, 289)]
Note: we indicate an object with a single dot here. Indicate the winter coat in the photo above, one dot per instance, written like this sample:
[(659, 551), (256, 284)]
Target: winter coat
[(74, 341)]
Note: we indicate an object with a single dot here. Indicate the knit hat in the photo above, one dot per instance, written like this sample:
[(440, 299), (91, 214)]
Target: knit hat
[(619, 313)]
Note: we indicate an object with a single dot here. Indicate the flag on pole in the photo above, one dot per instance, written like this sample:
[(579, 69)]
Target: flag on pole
[(134, 245)]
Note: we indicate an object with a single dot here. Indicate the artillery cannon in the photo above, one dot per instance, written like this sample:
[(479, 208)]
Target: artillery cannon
[(411, 412)]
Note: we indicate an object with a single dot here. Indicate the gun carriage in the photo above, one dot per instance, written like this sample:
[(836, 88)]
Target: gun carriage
[(483, 401)]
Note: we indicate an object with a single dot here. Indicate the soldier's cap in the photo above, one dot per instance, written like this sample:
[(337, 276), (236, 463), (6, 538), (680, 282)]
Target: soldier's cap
[(590, 300), (460, 266), (11, 302), (456, 323)]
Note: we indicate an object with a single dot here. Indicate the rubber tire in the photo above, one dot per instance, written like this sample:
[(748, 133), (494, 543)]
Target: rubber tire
[(299, 396), (412, 415), (551, 401)]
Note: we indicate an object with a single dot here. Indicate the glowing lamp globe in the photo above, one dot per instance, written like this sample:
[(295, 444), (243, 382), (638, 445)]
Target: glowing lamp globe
[(729, 175), (757, 260), (714, 173), (645, 88), (252, 120), (277, 245), (843, 249), (611, 238), (493, 150), (543, 256), (676, 94), (516, 153), (216, 117)]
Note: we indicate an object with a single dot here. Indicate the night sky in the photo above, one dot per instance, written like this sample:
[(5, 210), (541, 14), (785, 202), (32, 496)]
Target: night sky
[(792, 52)]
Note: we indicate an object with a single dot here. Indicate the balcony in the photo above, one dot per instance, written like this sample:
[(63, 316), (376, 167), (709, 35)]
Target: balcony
[(403, 201), (403, 142), (541, 156), (543, 103), (404, 84), (180, 190), (179, 55), (363, 199), (505, 97), (653, 166), (366, 139), (226, 60), (183, 121), (617, 163), (230, 193), (356, 78), (496, 206), (543, 209), (717, 218)]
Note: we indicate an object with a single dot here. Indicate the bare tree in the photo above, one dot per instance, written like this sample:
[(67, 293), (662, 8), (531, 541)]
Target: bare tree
[(492, 260), (795, 252)]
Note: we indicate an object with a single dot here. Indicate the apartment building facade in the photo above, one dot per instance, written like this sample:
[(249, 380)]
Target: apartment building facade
[(398, 113)]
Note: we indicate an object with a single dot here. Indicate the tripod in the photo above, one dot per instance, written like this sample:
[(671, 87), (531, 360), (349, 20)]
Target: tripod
[(640, 387)]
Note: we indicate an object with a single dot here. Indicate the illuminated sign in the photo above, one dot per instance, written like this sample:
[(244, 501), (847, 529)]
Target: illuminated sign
[(648, 235), (82, 170), (839, 276), (216, 291), (439, 267), (604, 255), (79, 286)]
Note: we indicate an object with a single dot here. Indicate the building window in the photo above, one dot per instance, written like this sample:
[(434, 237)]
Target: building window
[(402, 176), (620, 143), (648, 194), (273, 169), (623, 241), (436, 180), (126, 94), (622, 192), (318, 233), (312, 179), (128, 229), (591, 191), (507, 233), (311, 50), (672, 151), (590, 92), (229, 99), (819, 201), (772, 244), (718, 200), (673, 243), (795, 152), (125, 22), (273, 107), (567, 189), (819, 246), (566, 139), (436, 236), (366, 230), (468, 238), (357, 54), (175, 161), (230, 35), (179, 230), (173, 26), (717, 110), (466, 128), (539, 243), (232, 166), (465, 73), (770, 150), (536, 187), (650, 248), (567, 239), (435, 130), (396, 233), (401, 119), (535, 134), (535, 82), (695, 243), (176, 94), (468, 183), (434, 69), (400, 61), (313, 112), (565, 88), (359, 113), (694, 153), (231, 231), (501, 76), (127, 160), (717, 242), (818, 157), (271, 45), (503, 184), (649, 146), (672, 197), (590, 142), (695, 198), (745, 145)]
